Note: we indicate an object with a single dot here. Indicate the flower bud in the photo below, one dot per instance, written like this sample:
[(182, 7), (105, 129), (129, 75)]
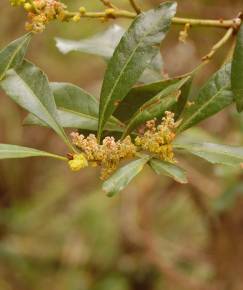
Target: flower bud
[(79, 161)]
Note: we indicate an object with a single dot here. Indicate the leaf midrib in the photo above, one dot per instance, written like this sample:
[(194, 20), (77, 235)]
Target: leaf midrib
[(120, 75), (43, 107)]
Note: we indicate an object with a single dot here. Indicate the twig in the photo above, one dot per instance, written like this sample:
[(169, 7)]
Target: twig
[(219, 44), (118, 13), (135, 6)]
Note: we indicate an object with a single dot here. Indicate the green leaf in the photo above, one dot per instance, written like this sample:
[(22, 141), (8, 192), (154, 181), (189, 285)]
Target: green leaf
[(237, 71), (123, 176), (214, 96), (168, 169), (73, 98), (133, 54), (13, 54), (182, 101), (28, 86), (8, 151), (214, 153), (75, 120), (76, 109), (156, 107), (102, 44), (139, 95)]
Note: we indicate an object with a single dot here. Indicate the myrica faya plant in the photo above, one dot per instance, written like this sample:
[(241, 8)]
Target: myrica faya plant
[(140, 114)]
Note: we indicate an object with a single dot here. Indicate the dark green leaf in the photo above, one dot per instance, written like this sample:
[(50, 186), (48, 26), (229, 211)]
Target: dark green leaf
[(123, 176), (13, 151), (156, 107), (214, 153), (140, 95), (12, 55), (182, 101), (133, 54), (214, 96), (28, 86), (237, 71), (168, 169)]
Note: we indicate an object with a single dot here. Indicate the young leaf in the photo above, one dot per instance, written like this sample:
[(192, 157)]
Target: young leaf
[(156, 107), (8, 151), (139, 95), (123, 176), (28, 86), (212, 98), (214, 153), (133, 54), (13, 54), (168, 169), (237, 71), (102, 44)]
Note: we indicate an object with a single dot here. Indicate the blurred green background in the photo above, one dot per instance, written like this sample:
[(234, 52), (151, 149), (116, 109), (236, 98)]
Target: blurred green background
[(58, 230)]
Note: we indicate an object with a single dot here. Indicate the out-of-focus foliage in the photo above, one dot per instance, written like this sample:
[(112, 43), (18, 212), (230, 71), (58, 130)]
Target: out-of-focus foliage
[(59, 232)]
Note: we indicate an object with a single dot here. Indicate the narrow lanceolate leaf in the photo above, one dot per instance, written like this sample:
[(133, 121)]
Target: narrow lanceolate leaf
[(123, 176), (76, 109), (168, 169), (139, 95), (102, 44), (214, 96), (13, 151), (73, 98), (214, 153), (133, 54), (156, 107), (28, 86), (75, 120), (237, 71), (12, 55)]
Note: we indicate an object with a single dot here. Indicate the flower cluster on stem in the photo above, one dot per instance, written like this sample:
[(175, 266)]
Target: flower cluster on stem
[(156, 140)]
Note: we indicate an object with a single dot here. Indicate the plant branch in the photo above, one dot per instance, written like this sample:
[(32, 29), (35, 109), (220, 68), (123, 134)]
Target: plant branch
[(135, 6), (119, 13), (219, 44)]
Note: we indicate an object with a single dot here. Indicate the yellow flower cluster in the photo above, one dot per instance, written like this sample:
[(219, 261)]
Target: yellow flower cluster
[(78, 162), (41, 12), (108, 155), (157, 139), (17, 2)]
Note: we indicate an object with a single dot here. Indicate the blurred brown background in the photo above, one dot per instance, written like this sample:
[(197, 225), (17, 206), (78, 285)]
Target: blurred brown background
[(58, 231)]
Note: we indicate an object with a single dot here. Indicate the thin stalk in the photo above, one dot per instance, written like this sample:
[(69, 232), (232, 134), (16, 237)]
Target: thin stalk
[(118, 13), (135, 6)]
